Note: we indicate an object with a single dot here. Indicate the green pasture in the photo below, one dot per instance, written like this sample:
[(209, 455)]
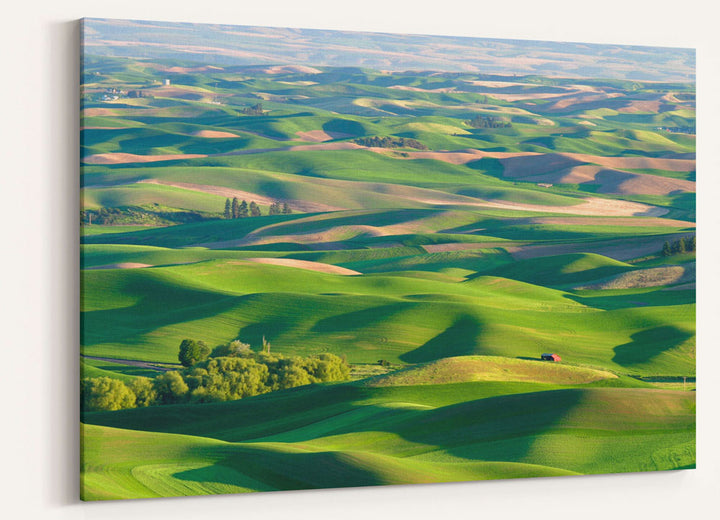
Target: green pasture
[(460, 299), (394, 435), (375, 316)]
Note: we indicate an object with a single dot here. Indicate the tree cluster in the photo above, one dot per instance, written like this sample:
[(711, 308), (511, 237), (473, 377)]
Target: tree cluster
[(488, 122), (390, 142), (683, 245), (277, 209), (229, 372), (241, 209), (139, 215), (255, 110)]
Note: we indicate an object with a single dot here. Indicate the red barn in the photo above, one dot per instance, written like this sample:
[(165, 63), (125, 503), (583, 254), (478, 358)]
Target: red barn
[(550, 357)]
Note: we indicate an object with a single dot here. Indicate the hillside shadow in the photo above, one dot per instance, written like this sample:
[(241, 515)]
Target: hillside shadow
[(159, 305), (502, 429), (459, 339), (629, 301), (344, 126), (269, 329), (362, 319), (284, 470), (237, 421), (649, 344)]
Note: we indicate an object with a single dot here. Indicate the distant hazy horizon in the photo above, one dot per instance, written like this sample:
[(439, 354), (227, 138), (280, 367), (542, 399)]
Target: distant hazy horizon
[(248, 45)]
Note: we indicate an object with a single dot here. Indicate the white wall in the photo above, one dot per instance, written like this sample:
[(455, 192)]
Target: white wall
[(39, 201)]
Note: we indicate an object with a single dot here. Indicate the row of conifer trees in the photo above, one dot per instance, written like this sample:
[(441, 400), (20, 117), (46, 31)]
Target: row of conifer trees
[(240, 209)]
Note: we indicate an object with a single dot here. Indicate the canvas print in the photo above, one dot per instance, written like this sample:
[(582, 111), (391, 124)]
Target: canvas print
[(319, 259)]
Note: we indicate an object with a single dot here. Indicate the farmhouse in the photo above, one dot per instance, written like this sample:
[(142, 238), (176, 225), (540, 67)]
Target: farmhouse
[(550, 357)]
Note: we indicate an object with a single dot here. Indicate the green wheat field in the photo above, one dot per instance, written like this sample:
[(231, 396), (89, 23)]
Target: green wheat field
[(317, 259)]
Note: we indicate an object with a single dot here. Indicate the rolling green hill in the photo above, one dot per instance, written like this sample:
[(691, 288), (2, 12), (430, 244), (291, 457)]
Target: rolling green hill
[(441, 230), (356, 437)]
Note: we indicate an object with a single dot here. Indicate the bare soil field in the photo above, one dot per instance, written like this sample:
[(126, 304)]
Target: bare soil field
[(643, 278), (597, 221), (305, 264), (214, 134), (618, 249), (320, 136), (121, 265), (124, 158)]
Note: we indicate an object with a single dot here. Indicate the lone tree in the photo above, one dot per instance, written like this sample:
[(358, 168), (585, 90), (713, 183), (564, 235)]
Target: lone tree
[(235, 207), (286, 209), (228, 209), (274, 208), (666, 250), (254, 209), (192, 352), (243, 209)]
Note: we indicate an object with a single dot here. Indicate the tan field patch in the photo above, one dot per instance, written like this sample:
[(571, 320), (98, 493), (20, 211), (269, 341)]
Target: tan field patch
[(214, 134), (576, 169), (523, 164), (567, 102), (465, 156), (466, 246), (289, 69), (643, 278), (320, 136), (124, 158), (619, 249), (320, 239), (180, 70), (591, 206), (649, 185), (610, 180), (522, 97), (670, 98), (617, 221), (326, 146), (637, 163), (444, 90), (305, 264), (647, 106), (100, 112), (121, 265), (490, 368), (496, 84), (299, 83)]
